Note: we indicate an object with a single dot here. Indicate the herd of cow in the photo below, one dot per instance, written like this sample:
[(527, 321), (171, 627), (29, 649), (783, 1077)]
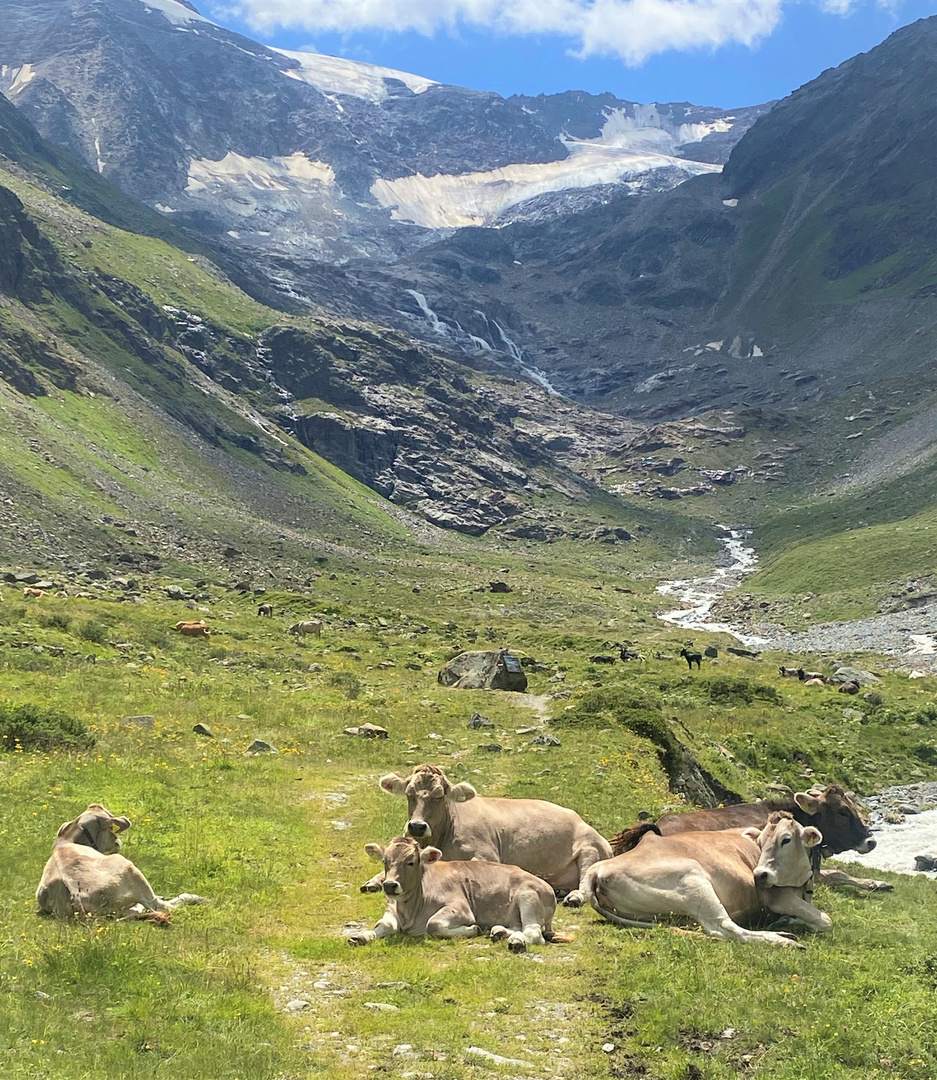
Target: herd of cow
[(496, 866)]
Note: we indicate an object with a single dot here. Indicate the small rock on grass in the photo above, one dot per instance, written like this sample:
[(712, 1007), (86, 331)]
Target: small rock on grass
[(140, 721), (368, 731), (258, 746), (296, 1005), (204, 730), (545, 740), (491, 748), (381, 1006), (479, 721)]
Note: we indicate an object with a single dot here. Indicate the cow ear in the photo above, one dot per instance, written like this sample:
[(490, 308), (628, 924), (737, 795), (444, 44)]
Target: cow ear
[(430, 855), (393, 784), (812, 836), (375, 851), (808, 802), (461, 792), (62, 828), (751, 834), (118, 824)]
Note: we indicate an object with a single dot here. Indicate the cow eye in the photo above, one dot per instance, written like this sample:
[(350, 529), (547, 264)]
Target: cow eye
[(412, 862), (786, 840)]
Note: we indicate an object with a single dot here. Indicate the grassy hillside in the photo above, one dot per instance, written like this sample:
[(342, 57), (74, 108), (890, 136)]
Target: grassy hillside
[(275, 842)]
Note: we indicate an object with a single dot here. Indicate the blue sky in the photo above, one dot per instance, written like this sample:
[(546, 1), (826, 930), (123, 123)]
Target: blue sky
[(710, 52)]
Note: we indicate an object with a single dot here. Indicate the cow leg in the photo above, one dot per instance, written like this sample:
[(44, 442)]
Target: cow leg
[(790, 902), (183, 899), (587, 856), (833, 878), (386, 927), (455, 921), (374, 884), (701, 902)]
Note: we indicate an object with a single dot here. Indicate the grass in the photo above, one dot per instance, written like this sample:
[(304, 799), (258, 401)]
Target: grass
[(276, 842)]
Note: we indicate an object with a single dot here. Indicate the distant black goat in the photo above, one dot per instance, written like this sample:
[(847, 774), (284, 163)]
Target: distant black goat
[(691, 658)]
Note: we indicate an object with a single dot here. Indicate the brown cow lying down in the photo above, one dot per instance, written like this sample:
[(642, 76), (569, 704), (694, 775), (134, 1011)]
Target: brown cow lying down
[(829, 809), (714, 878), (545, 839), (459, 899), (193, 629), (85, 876)]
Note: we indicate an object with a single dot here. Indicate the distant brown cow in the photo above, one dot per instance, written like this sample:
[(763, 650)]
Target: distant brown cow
[(196, 629), (308, 626), (266, 609), (31, 593)]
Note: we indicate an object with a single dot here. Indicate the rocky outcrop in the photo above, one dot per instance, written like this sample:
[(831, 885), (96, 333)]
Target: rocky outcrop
[(484, 670)]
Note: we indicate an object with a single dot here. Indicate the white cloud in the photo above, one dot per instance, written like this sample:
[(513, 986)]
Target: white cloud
[(630, 29)]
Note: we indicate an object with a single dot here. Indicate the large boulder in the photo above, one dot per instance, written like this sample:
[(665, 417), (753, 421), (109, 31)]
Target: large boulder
[(493, 669)]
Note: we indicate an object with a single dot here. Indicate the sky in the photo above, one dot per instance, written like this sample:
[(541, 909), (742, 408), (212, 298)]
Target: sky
[(727, 53)]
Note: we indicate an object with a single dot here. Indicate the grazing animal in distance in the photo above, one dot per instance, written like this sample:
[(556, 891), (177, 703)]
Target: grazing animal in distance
[(545, 839), (692, 657), (265, 609), (715, 878), (426, 896), (193, 629), (85, 876), (807, 676), (790, 672), (308, 626), (628, 653), (34, 594), (831, 810)]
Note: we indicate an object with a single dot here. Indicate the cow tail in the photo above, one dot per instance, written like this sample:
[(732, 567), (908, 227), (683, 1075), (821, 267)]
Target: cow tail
[(630, 838)]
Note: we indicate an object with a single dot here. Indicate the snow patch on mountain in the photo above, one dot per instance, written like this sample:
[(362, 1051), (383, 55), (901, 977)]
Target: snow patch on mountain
[(335, 75), (178, 14), (456, 201), (648, 130), (20, 77), (264, 174)]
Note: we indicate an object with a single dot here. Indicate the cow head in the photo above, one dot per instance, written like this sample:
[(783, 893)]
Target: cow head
[(785, 856), (97, 827), (403, 864), (428, 791), (837, 816)]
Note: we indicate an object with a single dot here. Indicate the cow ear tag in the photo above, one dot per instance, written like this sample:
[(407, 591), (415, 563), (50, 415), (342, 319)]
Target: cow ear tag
[(115, 828)]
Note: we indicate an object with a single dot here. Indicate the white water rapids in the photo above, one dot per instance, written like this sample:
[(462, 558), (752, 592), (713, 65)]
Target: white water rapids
[(896, 845), (701, 593)]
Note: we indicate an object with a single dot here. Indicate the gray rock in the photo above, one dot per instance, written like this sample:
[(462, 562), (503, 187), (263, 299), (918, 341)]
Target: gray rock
[(856, 675), (478, 721), (258, 746), (296, 1005), (368, 731), (176, 592), (925, 862), (545, 740), (484, 670), (491, 748), (204, 730), (499, 587), (140, 721)]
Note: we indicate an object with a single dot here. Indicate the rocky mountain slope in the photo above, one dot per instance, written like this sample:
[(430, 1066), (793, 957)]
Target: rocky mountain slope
[(158, 413), (317, 156)]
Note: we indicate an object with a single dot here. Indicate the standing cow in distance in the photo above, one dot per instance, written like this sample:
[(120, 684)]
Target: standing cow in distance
[(545, 839), (308, 626), (266, 609), (692, 656)]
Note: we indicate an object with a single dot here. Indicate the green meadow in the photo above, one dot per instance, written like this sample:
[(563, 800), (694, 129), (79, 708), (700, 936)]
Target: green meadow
[(260, 984)]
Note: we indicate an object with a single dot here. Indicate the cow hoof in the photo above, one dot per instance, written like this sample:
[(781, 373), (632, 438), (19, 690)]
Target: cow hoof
[(499, 933), (358, 939), (517, 943), (573, 899), (368, 887)]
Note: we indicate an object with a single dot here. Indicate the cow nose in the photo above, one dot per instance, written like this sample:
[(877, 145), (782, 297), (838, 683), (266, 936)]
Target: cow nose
[(761, 877), (392, 888), (417, 828), (869, 845)]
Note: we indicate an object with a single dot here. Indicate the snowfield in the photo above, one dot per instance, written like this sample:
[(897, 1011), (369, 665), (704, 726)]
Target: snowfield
[(264, 174), (452, 202), (333, 75)]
